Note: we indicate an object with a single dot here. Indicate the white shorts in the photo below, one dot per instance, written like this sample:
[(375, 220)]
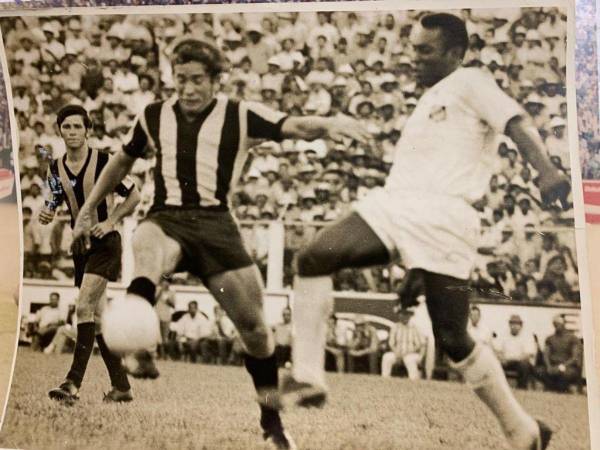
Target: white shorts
[(431, 232)]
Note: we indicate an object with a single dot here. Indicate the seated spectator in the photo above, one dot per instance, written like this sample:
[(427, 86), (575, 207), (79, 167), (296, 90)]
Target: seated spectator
[(222, 337), (562, 358), (193, 331), (282, 333), (517, 351), (364, 346), (407, 346), (478, 331), (65, 335), (336, 343), (48, 319)]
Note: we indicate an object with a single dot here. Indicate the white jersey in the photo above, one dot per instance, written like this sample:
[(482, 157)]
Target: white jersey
[(445, 146)]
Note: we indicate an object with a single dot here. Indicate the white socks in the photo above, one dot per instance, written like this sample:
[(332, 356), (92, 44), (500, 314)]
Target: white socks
[(482, 371), (313, 303)]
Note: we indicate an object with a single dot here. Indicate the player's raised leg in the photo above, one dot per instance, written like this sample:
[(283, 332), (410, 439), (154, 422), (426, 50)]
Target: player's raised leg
[(91, 291), (240, 293), (448, 306), (155, 253), (349, 242)]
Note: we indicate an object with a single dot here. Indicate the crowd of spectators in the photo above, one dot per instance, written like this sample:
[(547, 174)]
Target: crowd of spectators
[(301, 63)]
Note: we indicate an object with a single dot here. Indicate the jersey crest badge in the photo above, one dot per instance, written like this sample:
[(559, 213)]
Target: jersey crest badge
[(438, 113)]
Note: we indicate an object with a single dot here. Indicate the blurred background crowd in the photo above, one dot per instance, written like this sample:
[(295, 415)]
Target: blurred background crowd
[(304, 63)]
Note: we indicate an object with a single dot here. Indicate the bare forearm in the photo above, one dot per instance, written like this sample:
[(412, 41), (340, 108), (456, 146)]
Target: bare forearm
[(125, 208), (114, 172), (307, 128), (530, 144)]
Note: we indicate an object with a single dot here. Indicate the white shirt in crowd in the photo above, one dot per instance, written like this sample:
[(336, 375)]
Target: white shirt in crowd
[(480, 333), (517, 348), (48, 315), (194, 328)]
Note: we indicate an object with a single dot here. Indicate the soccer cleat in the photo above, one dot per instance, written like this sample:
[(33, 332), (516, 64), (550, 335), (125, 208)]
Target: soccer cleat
[(145, 368), (293, 392), (542, 441), (117, 396), (67, 392), (279, 439)]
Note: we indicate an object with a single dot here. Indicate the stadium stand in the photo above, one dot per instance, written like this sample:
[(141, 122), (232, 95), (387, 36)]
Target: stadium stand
[(323, 63)]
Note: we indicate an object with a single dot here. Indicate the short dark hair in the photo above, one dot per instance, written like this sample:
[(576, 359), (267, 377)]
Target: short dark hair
[(54, 294), (193, 302), (453, 28), (196, 50), (73, 110)]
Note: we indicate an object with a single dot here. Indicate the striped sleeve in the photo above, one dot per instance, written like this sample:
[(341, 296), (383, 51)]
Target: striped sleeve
[(263, 122), (137, 140)]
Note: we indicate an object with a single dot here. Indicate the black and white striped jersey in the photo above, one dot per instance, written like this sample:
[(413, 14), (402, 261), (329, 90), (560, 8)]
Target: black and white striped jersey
[(198, 161)]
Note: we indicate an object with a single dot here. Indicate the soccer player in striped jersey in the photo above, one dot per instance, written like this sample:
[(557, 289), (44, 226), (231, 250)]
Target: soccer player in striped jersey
[(71, 179), (442, 164), (200, 141)]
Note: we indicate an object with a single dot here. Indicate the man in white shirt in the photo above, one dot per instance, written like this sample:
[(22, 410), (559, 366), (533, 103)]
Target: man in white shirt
[(194, 330), (478, 331), (48, 319), (517, 351), (443, 164)]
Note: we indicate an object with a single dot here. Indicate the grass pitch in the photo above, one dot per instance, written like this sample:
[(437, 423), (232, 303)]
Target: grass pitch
[(193, 406)]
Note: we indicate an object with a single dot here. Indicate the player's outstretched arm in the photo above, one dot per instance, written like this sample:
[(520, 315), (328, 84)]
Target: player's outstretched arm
[(553, 185), (314, 127)]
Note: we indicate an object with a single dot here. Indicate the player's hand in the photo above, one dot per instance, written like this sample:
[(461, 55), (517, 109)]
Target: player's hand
[(554, 186), (46, 215), (342, 127), (81, 233), (102, 229)]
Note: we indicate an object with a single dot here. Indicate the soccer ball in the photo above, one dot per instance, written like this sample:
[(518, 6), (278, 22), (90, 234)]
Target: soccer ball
[(130, 325)]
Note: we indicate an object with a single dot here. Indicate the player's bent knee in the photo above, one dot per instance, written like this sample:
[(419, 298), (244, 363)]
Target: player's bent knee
[(85, 311)]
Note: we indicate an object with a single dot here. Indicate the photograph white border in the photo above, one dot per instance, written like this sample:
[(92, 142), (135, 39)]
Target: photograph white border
[(593, 389)]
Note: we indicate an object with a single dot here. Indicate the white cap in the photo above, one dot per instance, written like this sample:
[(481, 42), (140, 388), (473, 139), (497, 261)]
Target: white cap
[(533, 35), (340, 81), (558, 121), (534, 98)]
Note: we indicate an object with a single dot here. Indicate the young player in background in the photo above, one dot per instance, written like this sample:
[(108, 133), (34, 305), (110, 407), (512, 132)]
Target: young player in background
[(71, 179)]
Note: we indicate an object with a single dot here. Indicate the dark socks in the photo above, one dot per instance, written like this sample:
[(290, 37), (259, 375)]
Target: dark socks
[(265, 376), (83, 350), (143, 287), (116, 371)]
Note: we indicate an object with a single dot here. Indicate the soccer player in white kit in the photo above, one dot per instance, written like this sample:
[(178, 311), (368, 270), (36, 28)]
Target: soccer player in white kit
[(424, 214)]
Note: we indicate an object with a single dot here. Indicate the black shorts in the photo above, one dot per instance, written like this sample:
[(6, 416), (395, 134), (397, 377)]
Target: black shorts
[(103, 259), (210, 241)]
